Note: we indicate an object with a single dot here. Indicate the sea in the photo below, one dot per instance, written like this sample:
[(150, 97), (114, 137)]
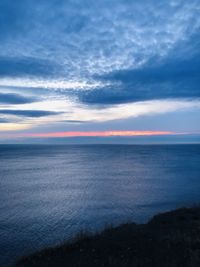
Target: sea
[(49, 193)]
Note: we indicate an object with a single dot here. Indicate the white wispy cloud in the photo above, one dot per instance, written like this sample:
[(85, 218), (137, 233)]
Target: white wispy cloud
[(68, 110), (50, 83)]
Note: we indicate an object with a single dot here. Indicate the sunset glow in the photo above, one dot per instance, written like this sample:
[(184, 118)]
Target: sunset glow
[(95, 134)]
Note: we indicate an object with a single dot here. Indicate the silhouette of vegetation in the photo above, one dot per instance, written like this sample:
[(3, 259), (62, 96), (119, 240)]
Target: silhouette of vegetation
[(170, 239)]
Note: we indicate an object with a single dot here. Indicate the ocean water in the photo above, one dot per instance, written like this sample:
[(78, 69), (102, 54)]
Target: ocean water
[(50, 193)]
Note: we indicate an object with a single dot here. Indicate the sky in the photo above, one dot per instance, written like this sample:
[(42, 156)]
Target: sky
[(104, 69)]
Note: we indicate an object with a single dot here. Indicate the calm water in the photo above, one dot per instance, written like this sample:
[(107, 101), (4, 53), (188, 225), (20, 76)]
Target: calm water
[(49, 193)]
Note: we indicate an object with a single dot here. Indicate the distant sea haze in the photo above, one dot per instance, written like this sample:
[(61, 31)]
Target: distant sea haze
[(48, 193)]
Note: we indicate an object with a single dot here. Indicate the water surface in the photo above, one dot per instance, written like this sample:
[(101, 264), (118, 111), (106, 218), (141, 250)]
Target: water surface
[(49, 193)]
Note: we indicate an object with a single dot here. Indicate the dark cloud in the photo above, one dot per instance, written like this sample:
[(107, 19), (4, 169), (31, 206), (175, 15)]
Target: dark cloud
[(26, 66), (28, 113), (3, 120), (75, 121), (173, 77), (12, 98)]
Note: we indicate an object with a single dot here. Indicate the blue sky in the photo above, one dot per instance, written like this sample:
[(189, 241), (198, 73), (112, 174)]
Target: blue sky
[(109, 65)]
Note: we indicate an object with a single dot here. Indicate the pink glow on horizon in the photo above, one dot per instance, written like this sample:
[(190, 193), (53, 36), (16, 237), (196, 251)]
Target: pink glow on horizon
[(95, 134)]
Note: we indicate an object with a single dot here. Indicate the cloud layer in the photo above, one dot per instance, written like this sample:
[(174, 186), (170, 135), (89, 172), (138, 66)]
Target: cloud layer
[(82, 61)]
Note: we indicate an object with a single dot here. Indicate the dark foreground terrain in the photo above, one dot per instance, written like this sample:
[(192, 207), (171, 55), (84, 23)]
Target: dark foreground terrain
[(170, 239)]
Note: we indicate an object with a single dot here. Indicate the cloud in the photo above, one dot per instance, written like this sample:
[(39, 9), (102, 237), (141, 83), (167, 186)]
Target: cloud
[(52, 84), (75, 121), (27, 113), (26, 66), (67, 110), (174, 76), (2, 120), (93, 37), (97, 61), (12, 98), (160, 80)]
